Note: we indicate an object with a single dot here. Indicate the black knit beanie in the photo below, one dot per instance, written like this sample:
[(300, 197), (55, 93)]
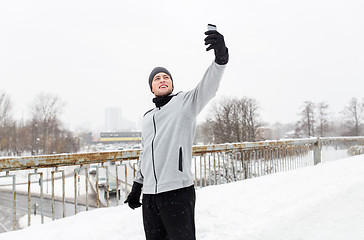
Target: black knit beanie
[(158, 70)]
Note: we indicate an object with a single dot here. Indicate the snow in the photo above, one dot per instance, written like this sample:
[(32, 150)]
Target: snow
[(35, 220), (320, 202)]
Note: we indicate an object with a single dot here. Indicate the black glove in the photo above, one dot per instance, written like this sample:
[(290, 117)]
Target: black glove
[(216, 41), (134, 196)]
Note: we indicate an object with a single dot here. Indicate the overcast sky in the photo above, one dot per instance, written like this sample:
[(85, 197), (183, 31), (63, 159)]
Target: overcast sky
[(98, 54)]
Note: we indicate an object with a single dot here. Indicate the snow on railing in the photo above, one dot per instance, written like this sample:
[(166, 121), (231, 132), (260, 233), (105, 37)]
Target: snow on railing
[(65, 184)]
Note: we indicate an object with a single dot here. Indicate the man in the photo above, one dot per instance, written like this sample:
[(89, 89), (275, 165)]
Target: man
[(168, 131)]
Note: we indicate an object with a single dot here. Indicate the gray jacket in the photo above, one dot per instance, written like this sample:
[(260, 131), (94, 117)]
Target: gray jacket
[(168, 133)]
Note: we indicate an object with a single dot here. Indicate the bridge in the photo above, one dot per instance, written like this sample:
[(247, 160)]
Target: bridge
[(36, 188)]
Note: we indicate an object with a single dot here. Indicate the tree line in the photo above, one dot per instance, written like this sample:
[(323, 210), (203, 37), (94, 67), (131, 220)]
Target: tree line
[(316, 120), (43, 133), (237, 120), (229, 120)]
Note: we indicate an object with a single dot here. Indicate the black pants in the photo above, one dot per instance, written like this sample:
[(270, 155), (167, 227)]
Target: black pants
[(170, 215)]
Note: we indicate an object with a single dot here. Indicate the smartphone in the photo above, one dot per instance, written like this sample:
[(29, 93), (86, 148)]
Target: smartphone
[(211, 27)]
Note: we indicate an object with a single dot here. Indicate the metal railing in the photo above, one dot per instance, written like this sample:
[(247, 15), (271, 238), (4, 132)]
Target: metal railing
[(87, 180)]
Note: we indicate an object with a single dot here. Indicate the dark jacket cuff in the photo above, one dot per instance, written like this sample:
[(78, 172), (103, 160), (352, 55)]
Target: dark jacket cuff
[(224, 59)]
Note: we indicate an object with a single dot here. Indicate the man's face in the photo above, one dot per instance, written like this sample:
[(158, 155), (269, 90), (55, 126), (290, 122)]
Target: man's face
[(162, 85)]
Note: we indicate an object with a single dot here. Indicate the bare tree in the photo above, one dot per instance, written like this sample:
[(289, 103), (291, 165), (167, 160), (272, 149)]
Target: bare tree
[(5, 121), (306, 123), (22, 138), (46, 109), (234, 120), (322, 119), (353, 114), (222, 121), (249, 107), (5, 109)]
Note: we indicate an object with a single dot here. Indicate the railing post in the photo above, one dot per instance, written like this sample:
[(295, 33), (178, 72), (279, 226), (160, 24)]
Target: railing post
[(317, 152)]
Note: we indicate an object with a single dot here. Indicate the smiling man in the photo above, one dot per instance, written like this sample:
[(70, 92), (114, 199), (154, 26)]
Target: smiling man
[(161, 82), (168, 130)]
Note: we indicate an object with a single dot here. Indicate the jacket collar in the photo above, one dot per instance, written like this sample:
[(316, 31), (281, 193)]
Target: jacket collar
[(161, 101)]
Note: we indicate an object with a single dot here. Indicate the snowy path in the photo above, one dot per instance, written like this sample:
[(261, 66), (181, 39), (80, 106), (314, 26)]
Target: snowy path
[(319, 202)]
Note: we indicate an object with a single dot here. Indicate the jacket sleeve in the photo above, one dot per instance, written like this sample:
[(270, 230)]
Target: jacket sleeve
[(206, 89)]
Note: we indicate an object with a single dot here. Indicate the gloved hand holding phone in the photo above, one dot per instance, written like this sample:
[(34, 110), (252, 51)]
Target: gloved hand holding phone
[(216, 42)]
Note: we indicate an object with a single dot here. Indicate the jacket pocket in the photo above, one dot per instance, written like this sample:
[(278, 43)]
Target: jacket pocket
[(180, 160)]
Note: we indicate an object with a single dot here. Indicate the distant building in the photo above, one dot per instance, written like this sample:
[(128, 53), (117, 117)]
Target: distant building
[(113, 119), (264, 133), (121, 137)]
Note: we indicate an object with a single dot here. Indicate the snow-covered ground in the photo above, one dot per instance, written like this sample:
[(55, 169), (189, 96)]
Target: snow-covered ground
[(317, 202)]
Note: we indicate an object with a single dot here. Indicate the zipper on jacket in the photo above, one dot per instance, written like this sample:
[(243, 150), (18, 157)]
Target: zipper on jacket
[(180, 160), (155, 175)]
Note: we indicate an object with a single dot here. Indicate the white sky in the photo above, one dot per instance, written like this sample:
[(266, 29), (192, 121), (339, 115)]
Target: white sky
[(311, 203), (98, 54)]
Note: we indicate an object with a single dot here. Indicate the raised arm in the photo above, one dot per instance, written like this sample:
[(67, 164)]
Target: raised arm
[(206, 89)]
